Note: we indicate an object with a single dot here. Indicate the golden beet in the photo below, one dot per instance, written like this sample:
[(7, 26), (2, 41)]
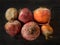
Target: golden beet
[(42, 15), (11, 14), (47, 30)]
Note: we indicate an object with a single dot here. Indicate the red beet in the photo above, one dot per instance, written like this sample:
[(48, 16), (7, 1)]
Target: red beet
[(25, 15), (30, 31), (13, 27)]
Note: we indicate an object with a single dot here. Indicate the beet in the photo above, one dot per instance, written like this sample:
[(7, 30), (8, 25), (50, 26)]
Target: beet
[(25, 15), (30, 31), (11, 14), (13, 27), (47, 31), (42, 15)]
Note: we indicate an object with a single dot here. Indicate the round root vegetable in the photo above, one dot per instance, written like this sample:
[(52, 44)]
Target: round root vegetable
[(42, 15), (47, 31), (11, 14), (13, 27), (25, 15), (30, 31)]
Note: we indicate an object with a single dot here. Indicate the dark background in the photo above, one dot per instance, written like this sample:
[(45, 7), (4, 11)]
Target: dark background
[(54, 5)]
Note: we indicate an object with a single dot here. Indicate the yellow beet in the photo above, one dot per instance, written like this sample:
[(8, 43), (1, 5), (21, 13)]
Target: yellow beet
[(47, 30)]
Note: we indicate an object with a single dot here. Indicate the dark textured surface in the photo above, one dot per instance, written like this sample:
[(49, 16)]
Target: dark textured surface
[(54, 5)]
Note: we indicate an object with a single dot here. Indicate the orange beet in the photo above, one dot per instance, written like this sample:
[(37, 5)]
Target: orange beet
[(42, 15)]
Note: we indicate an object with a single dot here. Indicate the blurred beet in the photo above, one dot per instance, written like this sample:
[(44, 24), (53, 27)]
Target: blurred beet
[(25, 15), (47, 31), (13, 27), (42, 15), (11, 14), (30, 31)]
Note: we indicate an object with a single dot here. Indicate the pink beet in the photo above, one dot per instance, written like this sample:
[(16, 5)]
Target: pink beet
[(30, 31), (25, 15), (13, 27)]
